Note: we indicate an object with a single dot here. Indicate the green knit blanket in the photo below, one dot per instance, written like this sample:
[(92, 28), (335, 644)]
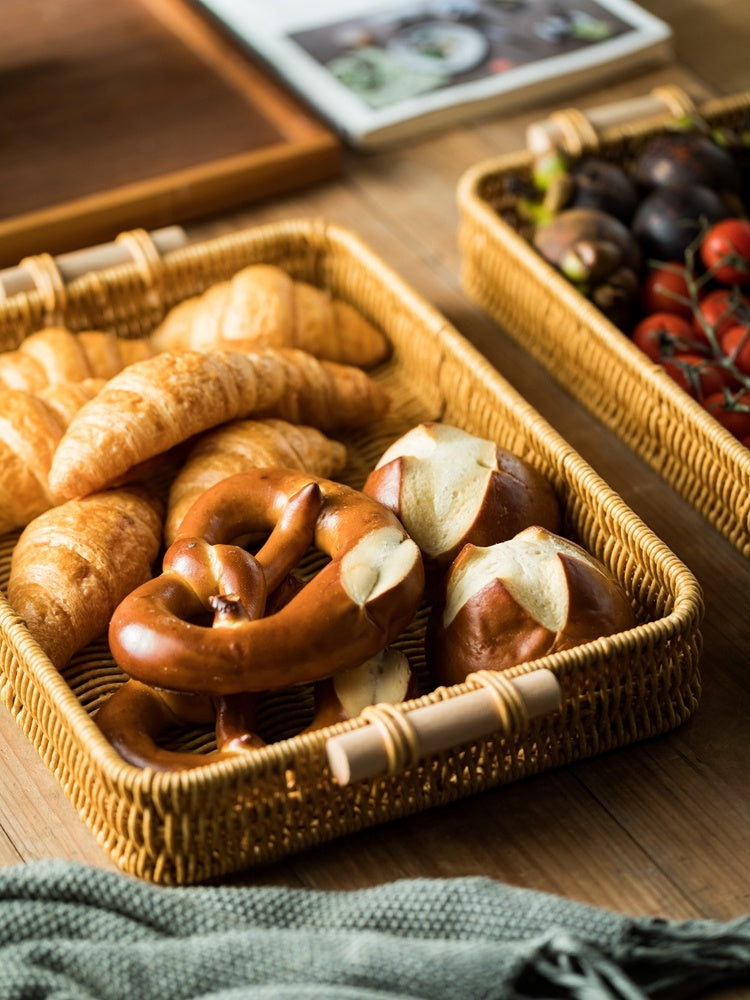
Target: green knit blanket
[(72, 932)]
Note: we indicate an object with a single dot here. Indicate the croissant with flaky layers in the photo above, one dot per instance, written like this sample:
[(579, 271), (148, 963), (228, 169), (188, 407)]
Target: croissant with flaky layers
[(263, 306), (31, 427), (74, 563), (156, 404), (56, 355)]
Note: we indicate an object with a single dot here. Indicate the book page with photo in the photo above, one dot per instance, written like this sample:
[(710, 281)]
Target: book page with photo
[(381, 72)]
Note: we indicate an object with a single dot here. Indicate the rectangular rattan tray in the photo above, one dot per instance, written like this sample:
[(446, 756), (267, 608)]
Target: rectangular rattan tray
[(584, 351), (231, 815)]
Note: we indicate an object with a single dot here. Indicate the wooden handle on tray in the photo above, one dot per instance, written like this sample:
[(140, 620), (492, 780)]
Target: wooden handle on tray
[(395, 740), (573, 129), (124, 249)]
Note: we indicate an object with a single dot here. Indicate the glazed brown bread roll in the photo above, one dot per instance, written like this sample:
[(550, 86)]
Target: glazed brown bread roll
[(262, 306), (385, 678), (534, 594), (449, 487)]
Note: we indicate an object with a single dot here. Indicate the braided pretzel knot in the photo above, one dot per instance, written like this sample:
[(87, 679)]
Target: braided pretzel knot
[(364, 596)]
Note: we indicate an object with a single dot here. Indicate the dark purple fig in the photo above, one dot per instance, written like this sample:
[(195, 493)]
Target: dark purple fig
[(587, 245), (591, 182), (603, 185), (668, 220), (682, 159), (598, 254), (619, 297)]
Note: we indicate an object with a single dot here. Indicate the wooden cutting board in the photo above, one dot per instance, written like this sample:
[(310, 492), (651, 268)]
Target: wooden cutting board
[(136, 113)]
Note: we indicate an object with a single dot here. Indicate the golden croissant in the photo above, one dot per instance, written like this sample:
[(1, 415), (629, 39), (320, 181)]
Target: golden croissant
[(55, 355), (156, 404), (246, 444), (73, 565), (262, 306), (31, 427)]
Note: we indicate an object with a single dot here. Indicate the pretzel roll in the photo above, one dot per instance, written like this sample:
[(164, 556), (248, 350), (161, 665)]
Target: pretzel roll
[(386, 677), (364, 596), (449, 487), (532, 595)]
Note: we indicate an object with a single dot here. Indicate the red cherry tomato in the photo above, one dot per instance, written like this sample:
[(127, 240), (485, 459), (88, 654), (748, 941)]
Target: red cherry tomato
[(720, 309), (732, 410), (665, 289), (725, 251), (664, 334), (735, 343), (698, 376)]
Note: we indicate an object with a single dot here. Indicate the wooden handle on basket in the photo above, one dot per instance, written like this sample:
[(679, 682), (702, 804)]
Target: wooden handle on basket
[(394, 739), (21, 278), (572, 129)]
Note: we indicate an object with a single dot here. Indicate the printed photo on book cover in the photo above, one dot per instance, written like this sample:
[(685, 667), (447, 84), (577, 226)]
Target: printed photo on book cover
[(408, 50)]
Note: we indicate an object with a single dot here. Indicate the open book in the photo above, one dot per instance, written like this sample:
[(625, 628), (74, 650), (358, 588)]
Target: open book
[(380, 72)]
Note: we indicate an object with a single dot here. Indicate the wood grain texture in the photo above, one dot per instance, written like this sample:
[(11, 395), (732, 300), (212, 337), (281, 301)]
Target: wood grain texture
[(662, 827), (134, 113)]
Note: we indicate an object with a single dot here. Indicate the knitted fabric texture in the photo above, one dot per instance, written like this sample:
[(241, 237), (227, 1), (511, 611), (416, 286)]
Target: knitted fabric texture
[(73, 932)]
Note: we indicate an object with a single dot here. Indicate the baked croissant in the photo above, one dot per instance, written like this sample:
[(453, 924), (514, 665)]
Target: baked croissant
[(246, 444), (57, 355), (156, 404), (262, 306), (30, 429), (73, 565)]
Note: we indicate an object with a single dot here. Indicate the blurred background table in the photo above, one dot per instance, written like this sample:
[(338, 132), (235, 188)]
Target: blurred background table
[(659, 828)]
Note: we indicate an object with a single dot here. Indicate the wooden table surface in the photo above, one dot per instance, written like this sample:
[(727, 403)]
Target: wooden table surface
[(662, 827)]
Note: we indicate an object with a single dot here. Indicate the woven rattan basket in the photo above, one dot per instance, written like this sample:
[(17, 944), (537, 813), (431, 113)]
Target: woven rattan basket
[(584, 351), (231, 815)]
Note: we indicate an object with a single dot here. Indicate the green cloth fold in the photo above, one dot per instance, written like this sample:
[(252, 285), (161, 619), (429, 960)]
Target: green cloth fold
[(73, 932)]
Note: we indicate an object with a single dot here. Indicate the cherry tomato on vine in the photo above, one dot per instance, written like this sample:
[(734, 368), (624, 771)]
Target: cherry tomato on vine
[(732, 410), (735, 343), (665, 289), (698, 376), (725, 251), (664, 334), (720, 309)]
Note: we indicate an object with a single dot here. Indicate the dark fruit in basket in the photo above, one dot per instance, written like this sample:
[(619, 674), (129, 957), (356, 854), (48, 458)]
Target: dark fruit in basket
[(598, 254), (617, 297), (587, 183), (587, 245), (668, 220), (685, 159), (603, 185)]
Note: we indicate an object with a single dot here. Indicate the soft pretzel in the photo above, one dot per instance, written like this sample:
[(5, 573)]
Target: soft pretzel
[(155, 404), (136, 716), (358, 603), (56, 354), (263, 306), (246, 444), (73, 564)]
